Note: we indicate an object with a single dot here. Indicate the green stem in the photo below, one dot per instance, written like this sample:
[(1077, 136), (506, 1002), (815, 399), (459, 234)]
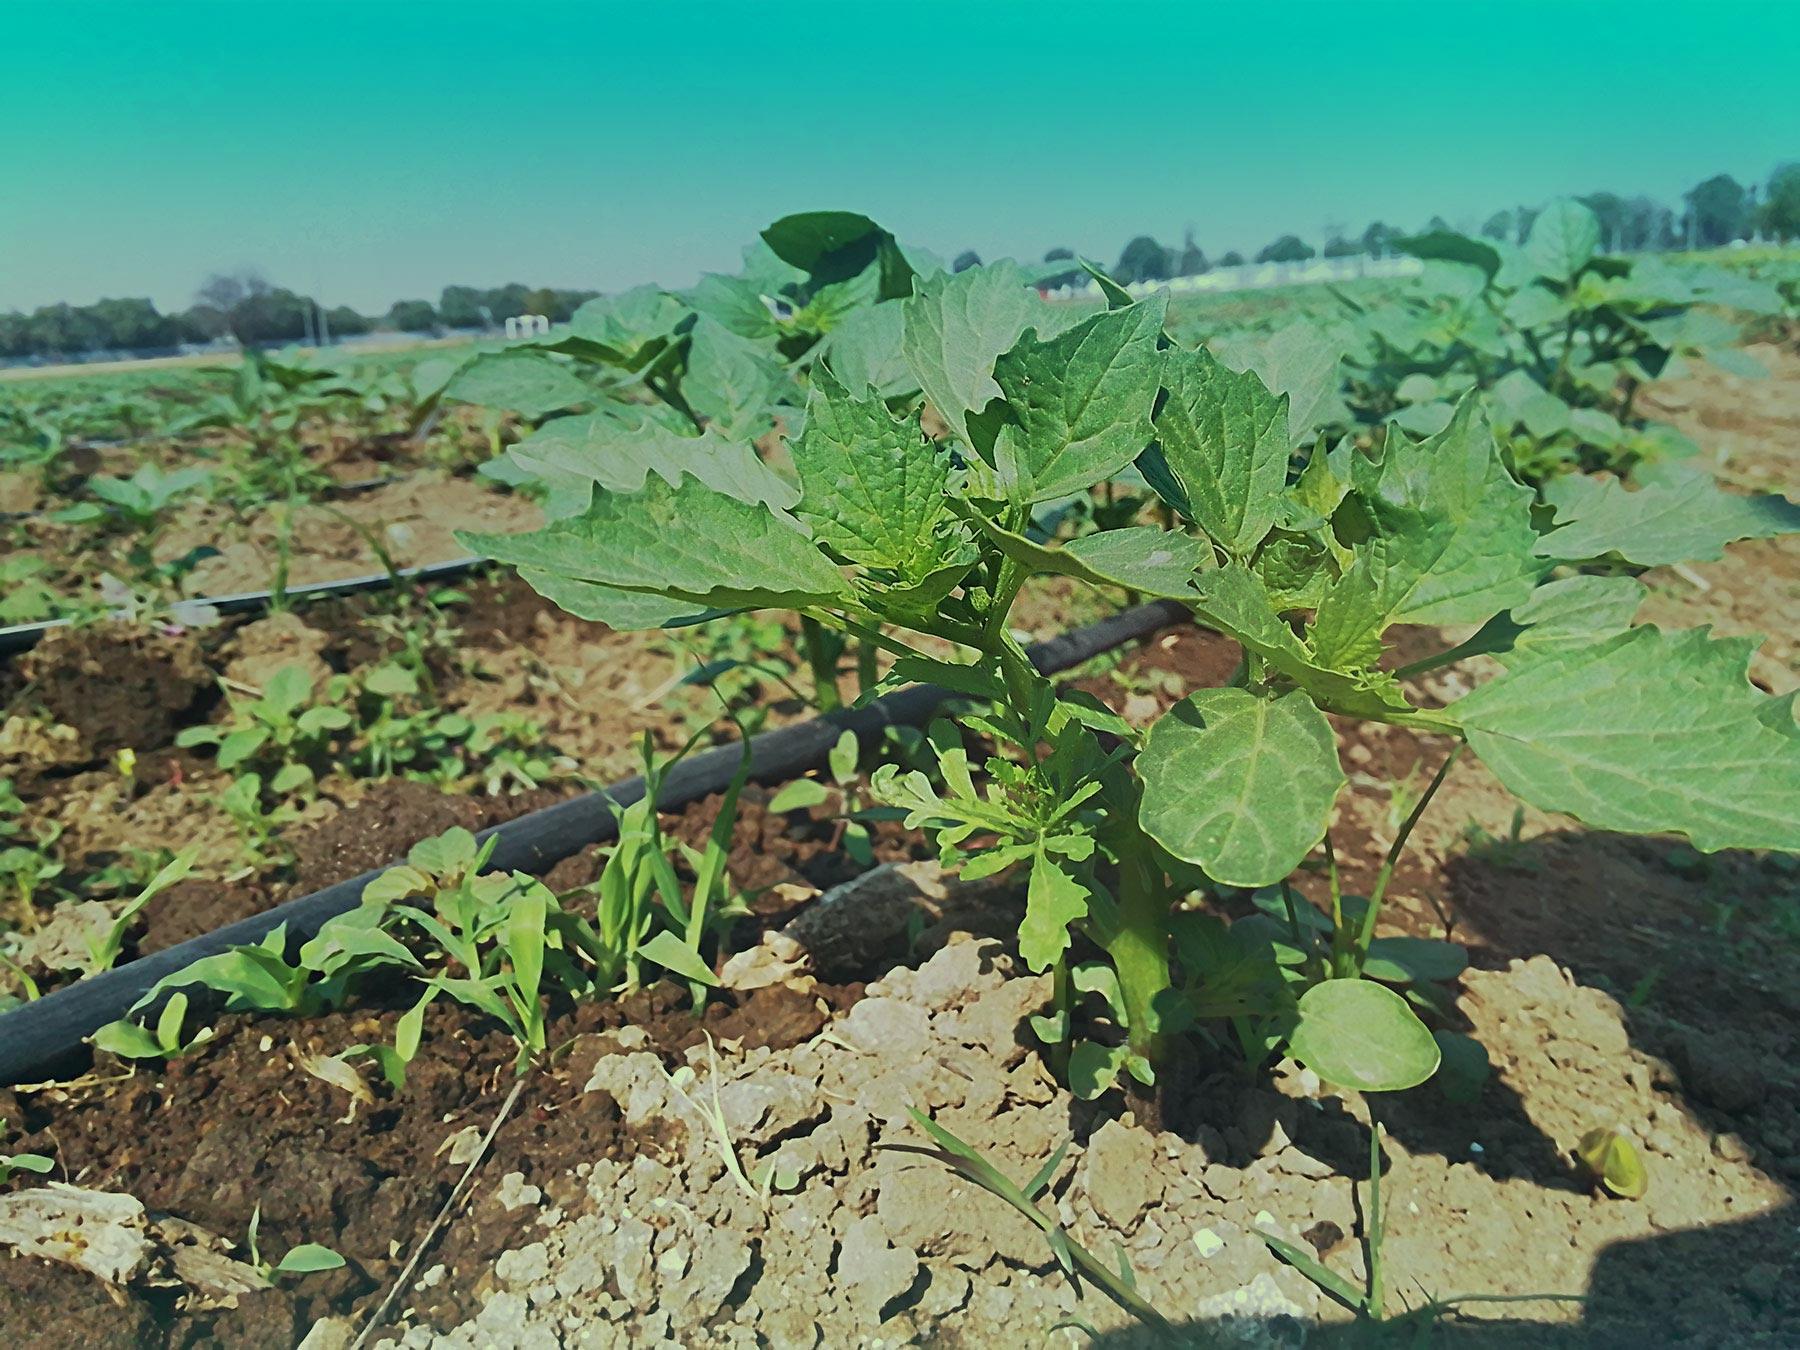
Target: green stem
[(1393, 854), (867, 672), (822, 649), (1139, 947)]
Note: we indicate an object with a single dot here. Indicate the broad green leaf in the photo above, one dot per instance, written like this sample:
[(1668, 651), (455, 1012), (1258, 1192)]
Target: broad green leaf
[(735, 302), (1054, 899), (1240, 784), (572, 454), (1576, 611), (864, 351), (1359, 1034), (833, 247), (1080, 403), (1449, 246), (1442, 534), (628, 330), (1154, 562), (1682, 515), (527, 383), (686, 542), (1649, 732), (307, 1259), (1225, 437), (1093, 1068), (798, 795), (1464, 1068), (956, 325), (671, 953), (1402, 960), (731, 381), (1735, 361), (873, 488), (1301, 361), (1563, 238), (1233, 600), (625, 611)]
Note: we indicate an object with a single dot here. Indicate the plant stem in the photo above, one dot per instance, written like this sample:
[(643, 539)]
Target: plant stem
[(1393, 854), (822, 649), (1139, 948)]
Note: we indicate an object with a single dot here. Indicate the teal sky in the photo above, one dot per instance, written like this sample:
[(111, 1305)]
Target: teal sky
[(381, 148)]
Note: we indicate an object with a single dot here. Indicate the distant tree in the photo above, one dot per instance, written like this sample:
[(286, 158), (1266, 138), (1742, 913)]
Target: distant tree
[(413, 316), (463, 307), (1438, 225), (64, 329), (1647, 225), (1144, 260), (1073, 277), (1339, 247), (15, 334), (1499, 226), (343, 321), (196, 325), (1231, 258), (1192, 261), (1720, 209), (1378, 239), (1612, 211), (503, 302), (130, 325), (965, 260), (1779, 215), (1289, 248)]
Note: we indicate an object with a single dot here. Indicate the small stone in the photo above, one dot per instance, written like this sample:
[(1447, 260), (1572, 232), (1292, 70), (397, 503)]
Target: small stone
[(1731, 1148), (1122, 1178), (523, 1265), (513, 1192), (888, 1028), (872, 1269)]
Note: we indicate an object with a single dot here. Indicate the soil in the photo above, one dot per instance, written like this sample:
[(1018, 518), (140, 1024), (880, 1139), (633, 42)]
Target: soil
[(1623, 982)]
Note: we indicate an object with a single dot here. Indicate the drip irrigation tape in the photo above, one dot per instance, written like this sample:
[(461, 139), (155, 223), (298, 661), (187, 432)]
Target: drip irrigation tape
[(45, 1037), (24, 636)]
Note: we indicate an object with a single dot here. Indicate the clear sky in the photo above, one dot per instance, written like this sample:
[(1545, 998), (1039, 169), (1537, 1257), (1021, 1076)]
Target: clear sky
[(380, 148)]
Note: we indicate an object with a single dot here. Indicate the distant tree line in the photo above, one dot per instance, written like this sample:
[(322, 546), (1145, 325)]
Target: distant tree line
[(247, 308), (1716, 212)]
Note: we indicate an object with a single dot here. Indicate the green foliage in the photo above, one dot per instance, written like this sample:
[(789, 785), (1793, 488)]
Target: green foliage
[(1237, 783)]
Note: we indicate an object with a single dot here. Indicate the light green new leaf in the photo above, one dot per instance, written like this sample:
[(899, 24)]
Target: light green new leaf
[(686, 542), (872, 485), (572, 454), (1576, 611), (671, 953), (1080, 403), (1233, 600), (1442, 535), (528, 383), (1054, 899), (1154, 562), (1240, 784), (1564, 237), (1649, 732), (957, 324), (1301, 361), (731, 381), (1681, 515), (1225, 437), (864, 350), (1358, 1034)]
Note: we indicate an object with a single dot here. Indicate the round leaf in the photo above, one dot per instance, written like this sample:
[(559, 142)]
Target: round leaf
[(1359, 1034)]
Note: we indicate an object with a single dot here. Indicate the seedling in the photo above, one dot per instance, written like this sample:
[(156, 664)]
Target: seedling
[(309, 1258), (140, 500), (11, 1163), (892, 536), (161, 1040), (282, 730), (103, 954), (1612, 1161), (1369, 1303)]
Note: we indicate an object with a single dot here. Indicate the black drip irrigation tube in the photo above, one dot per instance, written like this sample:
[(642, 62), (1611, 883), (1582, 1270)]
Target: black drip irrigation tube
[(24, 636), (46, 1037)]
